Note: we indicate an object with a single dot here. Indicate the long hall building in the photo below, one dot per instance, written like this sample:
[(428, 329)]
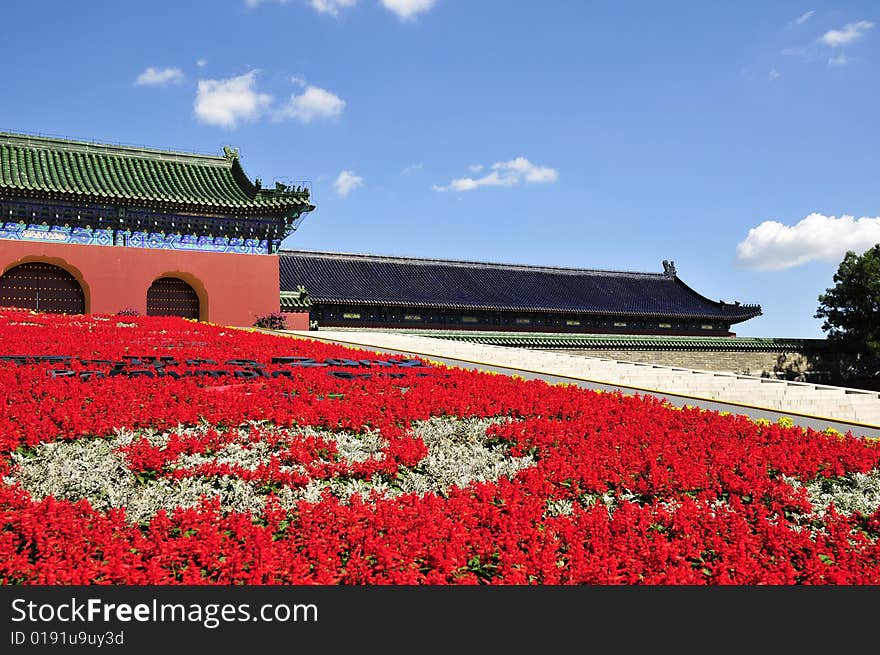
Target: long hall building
[(375, 291)]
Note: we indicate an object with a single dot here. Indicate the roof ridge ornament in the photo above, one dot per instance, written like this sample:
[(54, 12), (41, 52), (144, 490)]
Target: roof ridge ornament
[(669, 268), (230, 153)]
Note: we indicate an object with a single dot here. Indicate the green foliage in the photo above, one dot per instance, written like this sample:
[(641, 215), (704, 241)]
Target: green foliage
[(484, 571), (146, 476), (851, 308)]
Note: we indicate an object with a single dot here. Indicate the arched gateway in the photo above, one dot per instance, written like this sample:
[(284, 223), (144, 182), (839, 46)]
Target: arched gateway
[(42, 287), (171, 296), (120, 217)]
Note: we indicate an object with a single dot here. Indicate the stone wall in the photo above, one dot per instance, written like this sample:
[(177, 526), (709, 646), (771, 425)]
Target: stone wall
[(813, 367)]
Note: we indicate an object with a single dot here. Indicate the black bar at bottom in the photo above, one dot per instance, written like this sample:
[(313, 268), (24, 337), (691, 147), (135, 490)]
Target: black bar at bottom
[(400, 619)]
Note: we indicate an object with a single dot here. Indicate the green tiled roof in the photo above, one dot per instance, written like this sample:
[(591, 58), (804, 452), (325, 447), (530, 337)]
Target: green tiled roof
[(574, 341), (638, 342), (42, 167), (293, 300)]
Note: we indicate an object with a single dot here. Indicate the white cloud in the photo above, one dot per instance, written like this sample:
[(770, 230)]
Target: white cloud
[(311, 104), (522, 167), (505, 173), (469, 183), (839, 60), (201, 62), (159, 77), (299, 81), (773, 246), (411, 168), (331, 7), (476, 168), (850, 33), (804, 17), (774, 74), (347, 182), (226, 102), (408, 9)]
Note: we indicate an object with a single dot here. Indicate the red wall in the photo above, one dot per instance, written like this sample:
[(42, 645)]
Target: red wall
[(297, 320), (233, 289)]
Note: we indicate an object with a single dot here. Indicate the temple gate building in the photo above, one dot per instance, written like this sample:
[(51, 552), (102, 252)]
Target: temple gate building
[(97, 228)]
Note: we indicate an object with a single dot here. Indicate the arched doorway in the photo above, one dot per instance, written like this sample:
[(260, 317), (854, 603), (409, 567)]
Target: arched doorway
[(171, 296), (42, 287)]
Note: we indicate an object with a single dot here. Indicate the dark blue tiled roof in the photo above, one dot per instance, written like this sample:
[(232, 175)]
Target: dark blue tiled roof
[(343, 278)]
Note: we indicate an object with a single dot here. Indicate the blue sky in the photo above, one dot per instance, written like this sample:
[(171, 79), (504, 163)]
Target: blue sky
[(738, 139)]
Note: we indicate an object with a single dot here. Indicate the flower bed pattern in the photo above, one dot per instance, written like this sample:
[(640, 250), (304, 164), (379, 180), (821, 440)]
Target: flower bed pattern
[(421, 475)]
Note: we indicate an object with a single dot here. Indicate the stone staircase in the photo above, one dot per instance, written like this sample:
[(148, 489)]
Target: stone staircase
[(815, 400)]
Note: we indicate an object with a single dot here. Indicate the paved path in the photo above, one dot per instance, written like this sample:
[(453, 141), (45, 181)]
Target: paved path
[(812, 405)]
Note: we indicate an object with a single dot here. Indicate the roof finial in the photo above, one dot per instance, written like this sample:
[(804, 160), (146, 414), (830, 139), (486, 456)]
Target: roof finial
[(668, 268), (230, 153)]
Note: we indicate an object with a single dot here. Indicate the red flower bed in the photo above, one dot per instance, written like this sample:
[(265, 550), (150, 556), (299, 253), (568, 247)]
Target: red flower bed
[(603, 488)]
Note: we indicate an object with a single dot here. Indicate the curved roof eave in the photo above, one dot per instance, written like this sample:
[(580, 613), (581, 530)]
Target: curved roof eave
[(740, 313)]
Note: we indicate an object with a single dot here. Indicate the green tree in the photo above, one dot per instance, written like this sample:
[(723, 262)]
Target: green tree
[(851, 308)]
